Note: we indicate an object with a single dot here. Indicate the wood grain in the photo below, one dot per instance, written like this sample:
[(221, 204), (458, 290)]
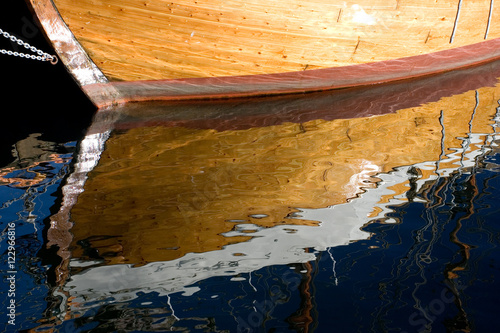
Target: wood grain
[(155, 40)]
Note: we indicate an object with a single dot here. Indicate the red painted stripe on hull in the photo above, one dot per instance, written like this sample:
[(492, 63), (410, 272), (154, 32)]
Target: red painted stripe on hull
[(103, 94)]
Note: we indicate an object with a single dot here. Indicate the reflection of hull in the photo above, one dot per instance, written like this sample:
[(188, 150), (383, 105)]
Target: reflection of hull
[(279, 245), (122, 50), (166, 207), (189, 185)]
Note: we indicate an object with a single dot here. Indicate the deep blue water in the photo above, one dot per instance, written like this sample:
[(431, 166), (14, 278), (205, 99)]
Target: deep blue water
[(28, 207)]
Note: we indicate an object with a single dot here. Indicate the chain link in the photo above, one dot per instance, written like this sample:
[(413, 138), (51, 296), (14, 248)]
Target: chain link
[(41, 56)]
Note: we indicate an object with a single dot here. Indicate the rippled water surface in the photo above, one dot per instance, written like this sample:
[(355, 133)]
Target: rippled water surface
[(369, 210)]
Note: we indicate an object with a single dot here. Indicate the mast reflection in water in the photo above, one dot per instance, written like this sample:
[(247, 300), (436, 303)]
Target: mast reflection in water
[(366, 210)]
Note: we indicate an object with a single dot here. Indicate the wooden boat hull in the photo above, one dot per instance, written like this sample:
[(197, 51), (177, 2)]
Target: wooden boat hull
[(121, 51)]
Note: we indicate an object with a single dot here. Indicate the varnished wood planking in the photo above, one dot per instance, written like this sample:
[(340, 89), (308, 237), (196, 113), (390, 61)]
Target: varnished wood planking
[(137, 40)]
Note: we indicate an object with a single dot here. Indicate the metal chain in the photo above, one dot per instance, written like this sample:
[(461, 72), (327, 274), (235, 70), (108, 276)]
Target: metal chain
[(42, 56)]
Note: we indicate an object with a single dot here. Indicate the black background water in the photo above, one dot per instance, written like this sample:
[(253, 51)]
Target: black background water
[(38, 97)]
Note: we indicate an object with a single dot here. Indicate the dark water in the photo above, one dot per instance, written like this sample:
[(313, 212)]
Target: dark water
[(280, 218)]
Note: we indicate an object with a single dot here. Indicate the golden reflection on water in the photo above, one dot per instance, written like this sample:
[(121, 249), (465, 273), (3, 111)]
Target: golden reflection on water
[(161, 192)]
